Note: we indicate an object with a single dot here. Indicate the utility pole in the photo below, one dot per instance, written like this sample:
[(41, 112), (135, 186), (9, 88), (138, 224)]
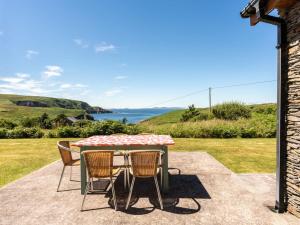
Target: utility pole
[(209, 93)]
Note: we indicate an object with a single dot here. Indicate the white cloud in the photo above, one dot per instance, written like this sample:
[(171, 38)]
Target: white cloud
[(12, 80), (123, 64), (66, 86), (81, 43), (112, 92), (21, 83), (53, 71), (104, 47), (31, 53), (22, 75), (1, 33), (120, 77)]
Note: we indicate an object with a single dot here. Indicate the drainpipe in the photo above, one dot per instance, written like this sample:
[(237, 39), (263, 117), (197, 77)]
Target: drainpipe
[(281, 147), (256, 7)]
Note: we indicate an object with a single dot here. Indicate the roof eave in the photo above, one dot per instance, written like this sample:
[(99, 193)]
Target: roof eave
[(249, 10)]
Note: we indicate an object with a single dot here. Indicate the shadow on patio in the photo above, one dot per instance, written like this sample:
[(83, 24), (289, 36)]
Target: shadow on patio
[(182, 186)]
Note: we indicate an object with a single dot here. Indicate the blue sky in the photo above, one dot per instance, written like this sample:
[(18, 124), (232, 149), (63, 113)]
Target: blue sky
[(135, 53)]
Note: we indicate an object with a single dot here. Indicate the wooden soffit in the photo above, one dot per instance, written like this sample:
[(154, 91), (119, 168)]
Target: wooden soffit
[(268, 6), (278, 4)]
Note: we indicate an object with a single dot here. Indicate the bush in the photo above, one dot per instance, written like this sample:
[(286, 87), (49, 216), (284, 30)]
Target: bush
[(132, 129), (51, 134), (231, 111), (263, 126), (107, 127), (44, 121), (60, 120), (7, 124), (68, 132), (190, 113), (3, 133), (265, 109), (83, 123), (203, 115), (29, 122), (20, 132)]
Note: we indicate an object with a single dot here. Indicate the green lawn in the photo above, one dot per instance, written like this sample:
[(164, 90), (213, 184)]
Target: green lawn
[(19, 157)]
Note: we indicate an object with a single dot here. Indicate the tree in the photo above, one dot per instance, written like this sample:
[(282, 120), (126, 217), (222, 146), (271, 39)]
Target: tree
[(60, 120), (190, 113), (44, 121)]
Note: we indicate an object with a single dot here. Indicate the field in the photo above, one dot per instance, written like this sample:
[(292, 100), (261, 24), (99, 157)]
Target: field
[(19, 157)]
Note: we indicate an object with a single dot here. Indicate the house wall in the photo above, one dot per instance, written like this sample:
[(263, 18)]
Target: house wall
[(292, 17)]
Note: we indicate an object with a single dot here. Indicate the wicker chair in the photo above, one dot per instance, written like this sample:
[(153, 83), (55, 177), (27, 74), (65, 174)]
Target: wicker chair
[(123, 153), (67, 158), (99, 165), (144, 164)]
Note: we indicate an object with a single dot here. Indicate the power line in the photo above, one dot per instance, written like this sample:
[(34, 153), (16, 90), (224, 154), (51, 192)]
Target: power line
[(209, 89), (179, 97), (245, 84)]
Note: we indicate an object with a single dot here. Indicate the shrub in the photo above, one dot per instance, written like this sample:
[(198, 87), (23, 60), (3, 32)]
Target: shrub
[(107, 127), (3, 133), (60, 120), (7, 124), (257, 127), (51, 134), (44, 121), (83, 123), (29, 122), (68, 132), (231, 111), (203, 115), (132, 129), (265, 109), (20, 132), (190, 113)]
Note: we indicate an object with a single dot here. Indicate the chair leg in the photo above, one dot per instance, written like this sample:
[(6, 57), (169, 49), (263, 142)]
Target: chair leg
[(125, 179), (86, 191), (161, 177), (61, 176), (158, 193), (114, 194), (71, 173), (130, 193), (128, 177)]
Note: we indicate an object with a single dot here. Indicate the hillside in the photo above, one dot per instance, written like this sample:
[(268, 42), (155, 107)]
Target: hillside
[(18, 106), (169, 117), (174, 117)]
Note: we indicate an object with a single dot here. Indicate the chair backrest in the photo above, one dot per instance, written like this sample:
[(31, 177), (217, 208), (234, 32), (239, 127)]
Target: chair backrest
[(144, 163), (99, 163), (65, 153)]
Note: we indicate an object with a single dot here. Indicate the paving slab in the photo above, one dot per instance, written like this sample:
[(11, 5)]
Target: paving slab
[(203, 191)]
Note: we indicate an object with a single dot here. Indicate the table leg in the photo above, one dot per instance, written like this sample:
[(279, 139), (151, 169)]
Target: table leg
[(165, 187), (82, 172)]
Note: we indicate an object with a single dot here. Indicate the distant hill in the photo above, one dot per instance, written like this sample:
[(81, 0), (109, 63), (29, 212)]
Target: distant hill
[(16, 106)]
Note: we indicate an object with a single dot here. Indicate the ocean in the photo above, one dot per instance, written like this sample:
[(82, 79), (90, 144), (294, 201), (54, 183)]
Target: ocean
[(132, 115)]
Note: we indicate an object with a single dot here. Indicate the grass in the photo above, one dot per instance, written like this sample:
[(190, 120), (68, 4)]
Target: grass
[(19, 157), (166, 118), (241, 155), (9, 110)]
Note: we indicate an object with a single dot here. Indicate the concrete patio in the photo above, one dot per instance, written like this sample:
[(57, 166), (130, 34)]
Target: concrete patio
[(203, 191)]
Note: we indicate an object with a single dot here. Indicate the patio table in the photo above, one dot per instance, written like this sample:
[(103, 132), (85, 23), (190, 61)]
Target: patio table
[(126, 143)]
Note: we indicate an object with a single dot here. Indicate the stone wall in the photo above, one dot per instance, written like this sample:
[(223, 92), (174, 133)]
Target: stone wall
[(292, 17)]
